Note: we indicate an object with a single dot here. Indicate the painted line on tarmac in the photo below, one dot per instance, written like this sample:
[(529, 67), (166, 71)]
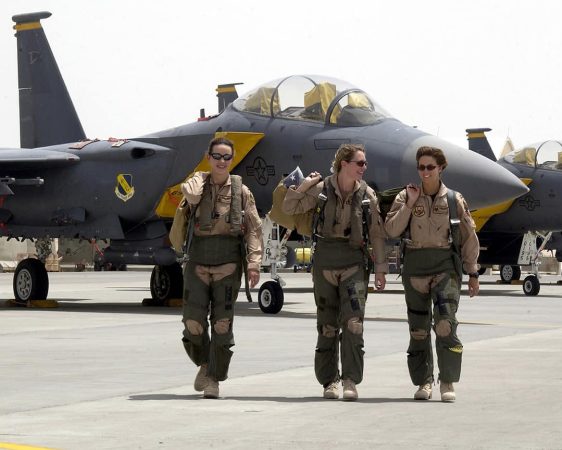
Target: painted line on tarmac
[(546, 326), (7, 446)]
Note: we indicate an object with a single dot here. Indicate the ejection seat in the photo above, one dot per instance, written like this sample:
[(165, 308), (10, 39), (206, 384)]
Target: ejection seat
[(525, 156), (357, 112), (260, 102), (317, 101)]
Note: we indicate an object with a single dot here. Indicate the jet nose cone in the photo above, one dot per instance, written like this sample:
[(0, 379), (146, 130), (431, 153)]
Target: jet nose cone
[(481, 181)]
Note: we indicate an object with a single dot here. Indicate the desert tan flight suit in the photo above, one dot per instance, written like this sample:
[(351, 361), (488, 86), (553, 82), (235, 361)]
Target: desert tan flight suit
[(432, 280), (340, 275), (212, 276)]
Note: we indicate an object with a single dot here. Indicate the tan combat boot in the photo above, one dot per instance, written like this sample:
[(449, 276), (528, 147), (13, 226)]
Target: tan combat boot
[(201, 379), (212, 389), (331, 391), (423, 392), (349, 390), (447, 392)]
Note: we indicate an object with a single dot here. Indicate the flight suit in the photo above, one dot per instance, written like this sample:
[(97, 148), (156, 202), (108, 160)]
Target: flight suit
[(340, 277), (432, 280), (212, 276)]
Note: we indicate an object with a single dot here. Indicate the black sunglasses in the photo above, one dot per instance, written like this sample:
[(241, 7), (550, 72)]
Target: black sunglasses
[(429, 167), (219, 156), (360, 163)]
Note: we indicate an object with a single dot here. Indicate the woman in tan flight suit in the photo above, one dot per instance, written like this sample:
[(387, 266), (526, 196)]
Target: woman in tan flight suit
[(227, 230), (432, 274), (341, 265)]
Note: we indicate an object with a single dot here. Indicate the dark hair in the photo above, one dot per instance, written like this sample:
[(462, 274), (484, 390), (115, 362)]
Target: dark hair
[(346, 152), (435, 152), (220, 141)]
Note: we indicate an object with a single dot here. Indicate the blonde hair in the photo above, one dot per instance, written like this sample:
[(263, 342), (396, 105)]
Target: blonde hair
[(346, 152)]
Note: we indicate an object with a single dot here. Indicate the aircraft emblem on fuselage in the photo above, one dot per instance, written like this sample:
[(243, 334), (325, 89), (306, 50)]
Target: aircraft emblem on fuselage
[(124, 189), (260, 170), (528, 202)]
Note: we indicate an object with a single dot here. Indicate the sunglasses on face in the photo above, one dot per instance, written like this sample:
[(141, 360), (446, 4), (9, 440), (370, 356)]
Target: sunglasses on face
[(360, 163), (429, 167), (219, 156)]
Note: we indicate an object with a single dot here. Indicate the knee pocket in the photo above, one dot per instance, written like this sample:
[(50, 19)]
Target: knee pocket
[(222, 326), (443, 328), (355, 325), (194, 327), (419, 334), (328, 331)]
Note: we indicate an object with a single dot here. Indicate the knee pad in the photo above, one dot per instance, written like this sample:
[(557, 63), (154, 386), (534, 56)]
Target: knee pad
[(355, 325), (443, 328), (418, 334), (194, 327), (329, 331), (222, 326)]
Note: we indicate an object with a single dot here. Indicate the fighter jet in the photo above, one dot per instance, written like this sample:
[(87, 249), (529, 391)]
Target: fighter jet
[(126, 190), (512, 233)]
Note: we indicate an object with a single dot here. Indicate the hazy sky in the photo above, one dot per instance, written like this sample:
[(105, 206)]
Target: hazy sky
[(134, 67)]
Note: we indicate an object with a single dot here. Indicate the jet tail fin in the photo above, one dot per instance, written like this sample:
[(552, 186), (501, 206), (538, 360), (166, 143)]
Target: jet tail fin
[(47, 114), (226, 93), (478, 142)]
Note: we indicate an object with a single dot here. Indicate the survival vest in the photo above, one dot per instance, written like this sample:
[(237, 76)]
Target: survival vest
[(325, 214), (454, 232), (207, 212)]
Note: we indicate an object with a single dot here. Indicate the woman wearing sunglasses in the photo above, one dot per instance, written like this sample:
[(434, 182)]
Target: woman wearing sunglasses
[(431, 272), (227, 235), (346, 222)]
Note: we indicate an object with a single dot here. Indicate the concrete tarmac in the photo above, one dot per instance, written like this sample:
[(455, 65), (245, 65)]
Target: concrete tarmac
[(103, 372)]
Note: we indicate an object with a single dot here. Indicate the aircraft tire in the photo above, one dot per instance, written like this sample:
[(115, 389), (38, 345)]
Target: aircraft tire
[(270, 297), (31, 281), (509, 273), (166, 282), (531, 285)]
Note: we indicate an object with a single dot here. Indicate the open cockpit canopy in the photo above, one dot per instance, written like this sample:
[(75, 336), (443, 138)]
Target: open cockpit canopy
[(544, 155), (312, 98)]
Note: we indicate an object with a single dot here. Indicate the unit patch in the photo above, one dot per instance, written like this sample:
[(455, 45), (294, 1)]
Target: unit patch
[(419, 210), (124, 189)]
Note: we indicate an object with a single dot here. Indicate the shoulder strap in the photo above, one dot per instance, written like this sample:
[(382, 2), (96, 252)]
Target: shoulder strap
[(454, 220), (236, 215), (365, 211), (190, 229), (319, 211), (366, 220), (207, 210)]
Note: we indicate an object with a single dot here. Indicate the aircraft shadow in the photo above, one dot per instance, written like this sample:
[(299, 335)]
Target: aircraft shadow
[(196, 397)]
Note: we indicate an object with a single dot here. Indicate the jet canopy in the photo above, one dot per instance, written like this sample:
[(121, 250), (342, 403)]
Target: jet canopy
[(544, 155), (312, 98)]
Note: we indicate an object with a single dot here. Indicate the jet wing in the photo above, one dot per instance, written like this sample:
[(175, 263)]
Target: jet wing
[(24, 158)]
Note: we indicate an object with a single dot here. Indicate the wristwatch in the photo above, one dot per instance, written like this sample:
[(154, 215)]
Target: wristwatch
[(474, 275)]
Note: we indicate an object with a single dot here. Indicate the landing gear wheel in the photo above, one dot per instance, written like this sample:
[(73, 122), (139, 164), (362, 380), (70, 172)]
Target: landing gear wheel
[(510, 273), (166, 282), (531, 285), (270, 297), (31, 281)]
